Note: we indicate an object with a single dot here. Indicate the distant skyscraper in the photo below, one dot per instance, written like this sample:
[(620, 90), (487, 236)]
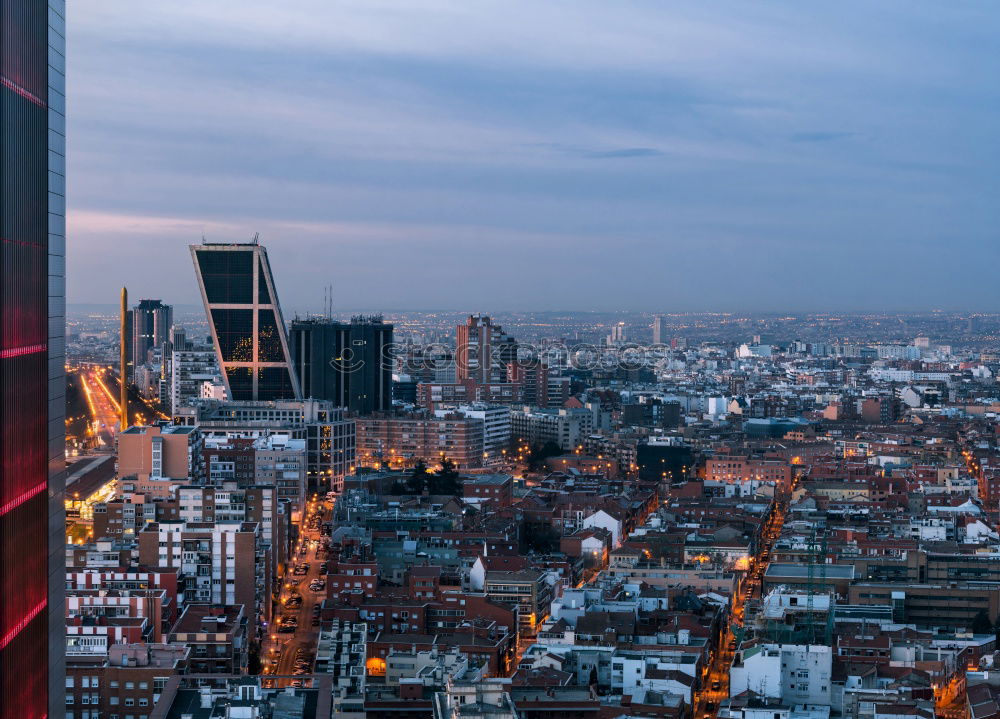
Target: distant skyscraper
[(657, 330), (149, 323), (248, 331), (347, 363), (482, 351), (32, 381), (618, 334)]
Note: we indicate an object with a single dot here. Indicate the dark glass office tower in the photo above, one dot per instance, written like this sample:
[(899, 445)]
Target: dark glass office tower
[(247, 328), (149, 324), (348, 363), (32, 379)]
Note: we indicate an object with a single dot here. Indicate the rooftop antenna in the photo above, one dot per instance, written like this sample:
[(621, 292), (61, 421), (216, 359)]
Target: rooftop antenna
[(256, 238)]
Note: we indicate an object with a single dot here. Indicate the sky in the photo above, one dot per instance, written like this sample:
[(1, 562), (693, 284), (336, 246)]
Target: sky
[(568, 154)]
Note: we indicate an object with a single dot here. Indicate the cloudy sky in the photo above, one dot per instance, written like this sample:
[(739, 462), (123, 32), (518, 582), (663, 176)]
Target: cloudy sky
[(573, 154)]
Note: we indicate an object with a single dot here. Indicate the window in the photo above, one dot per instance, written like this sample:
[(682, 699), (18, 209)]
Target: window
[(114, 700), (69, 682), (129, 701), (69, 699)]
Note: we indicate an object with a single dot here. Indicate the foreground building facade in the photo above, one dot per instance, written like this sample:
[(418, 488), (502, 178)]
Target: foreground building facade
[(32, 383)]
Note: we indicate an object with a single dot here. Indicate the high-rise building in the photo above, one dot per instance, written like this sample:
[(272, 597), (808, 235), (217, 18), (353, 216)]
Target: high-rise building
[(482, 351), (32, 381), (348, 363), (658, 330), (149, 323), (248, 331)]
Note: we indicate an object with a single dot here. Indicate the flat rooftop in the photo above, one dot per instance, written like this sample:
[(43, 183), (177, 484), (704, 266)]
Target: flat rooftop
[(801, 571)]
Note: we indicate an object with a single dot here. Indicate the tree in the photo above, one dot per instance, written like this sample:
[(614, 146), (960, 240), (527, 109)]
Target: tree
[(981, 623), (417, 481), (540, 453), (542, 539), (253, 659), (446, 480), (397, 488)]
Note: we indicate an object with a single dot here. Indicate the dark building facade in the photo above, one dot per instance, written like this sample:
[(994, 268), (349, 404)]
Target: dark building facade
[(149, 323), (663, 462), (248, 331), (32, 379), (348, 363)]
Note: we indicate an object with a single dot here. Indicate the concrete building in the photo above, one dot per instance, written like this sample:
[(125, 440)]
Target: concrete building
[(188, 371), (566, 428), (329, 437), (529, 589), (496, 424), (402, 439), (161, 452), (223, 562), (793, 673)]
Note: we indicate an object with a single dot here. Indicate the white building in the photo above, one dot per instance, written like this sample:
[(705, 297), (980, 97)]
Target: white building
[(793, 673), (188, 370), (496, 424), (602, 520), (564, 427)]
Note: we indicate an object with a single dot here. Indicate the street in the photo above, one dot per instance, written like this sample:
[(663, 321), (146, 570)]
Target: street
[(715, 681), (281, 651)]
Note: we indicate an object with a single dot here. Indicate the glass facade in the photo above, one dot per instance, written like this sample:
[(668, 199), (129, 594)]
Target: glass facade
[(32, 379), (348, 363), (247, 327)]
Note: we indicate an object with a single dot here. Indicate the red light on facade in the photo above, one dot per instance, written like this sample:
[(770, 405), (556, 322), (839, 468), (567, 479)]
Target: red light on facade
[(21, 351), (17, 89), (16, 629), (22, 498)]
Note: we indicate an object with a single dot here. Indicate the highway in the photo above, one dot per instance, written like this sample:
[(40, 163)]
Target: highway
[(279, 651), (101, 403)]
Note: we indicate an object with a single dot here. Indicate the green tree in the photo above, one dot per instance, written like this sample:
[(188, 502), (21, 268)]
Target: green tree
[(981, 623), (397, 488), (253, 659), (540, 453), (446, 480), (417, 481)]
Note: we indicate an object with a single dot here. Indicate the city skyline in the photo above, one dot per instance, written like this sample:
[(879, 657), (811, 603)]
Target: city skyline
[(688, 158)]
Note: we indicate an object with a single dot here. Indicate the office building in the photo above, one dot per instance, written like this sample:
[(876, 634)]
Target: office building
[(348, 363), (248, 331), (32, 381), (658, 330), (149, 322)]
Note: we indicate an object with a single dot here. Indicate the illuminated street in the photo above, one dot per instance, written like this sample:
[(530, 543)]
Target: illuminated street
[(278, 652)]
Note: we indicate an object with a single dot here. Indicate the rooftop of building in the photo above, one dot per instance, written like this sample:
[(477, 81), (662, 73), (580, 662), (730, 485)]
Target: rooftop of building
[(208, 618), (830, 571)]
